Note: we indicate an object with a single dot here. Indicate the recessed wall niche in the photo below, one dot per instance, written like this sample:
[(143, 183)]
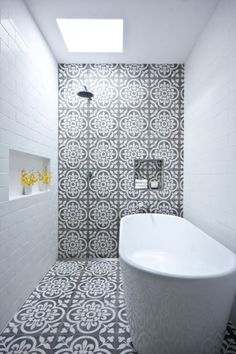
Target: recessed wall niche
[(148, 174), (19, 161)]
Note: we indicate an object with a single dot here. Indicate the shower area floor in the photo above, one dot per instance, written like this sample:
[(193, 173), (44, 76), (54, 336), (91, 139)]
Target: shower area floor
[(78, 307)]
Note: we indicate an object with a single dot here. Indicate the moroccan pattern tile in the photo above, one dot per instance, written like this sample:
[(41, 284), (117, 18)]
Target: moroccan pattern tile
[(78, 308), (136, 113)]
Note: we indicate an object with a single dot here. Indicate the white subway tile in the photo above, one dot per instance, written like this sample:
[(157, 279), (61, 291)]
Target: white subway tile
[(28, 122), (210, 128)]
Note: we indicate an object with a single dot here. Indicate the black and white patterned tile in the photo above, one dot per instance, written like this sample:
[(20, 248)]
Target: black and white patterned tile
[(136, 113), (78, 307)]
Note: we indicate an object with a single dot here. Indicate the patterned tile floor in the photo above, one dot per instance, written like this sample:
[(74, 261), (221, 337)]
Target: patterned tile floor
[(78, 308)]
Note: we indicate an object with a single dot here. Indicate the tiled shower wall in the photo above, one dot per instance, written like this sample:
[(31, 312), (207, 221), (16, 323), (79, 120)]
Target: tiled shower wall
[(28, 123), (136, 113)]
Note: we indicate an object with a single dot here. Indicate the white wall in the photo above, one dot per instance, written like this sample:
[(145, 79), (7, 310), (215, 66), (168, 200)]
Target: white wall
[(28, 122), (210, 128)]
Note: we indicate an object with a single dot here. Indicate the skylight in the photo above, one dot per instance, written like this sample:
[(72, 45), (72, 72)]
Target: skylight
[(92, 35)]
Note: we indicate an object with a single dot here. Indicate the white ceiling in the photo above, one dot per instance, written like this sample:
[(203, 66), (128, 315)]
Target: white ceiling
[(155, 31)]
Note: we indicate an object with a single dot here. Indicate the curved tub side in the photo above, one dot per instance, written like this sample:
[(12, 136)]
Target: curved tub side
[(177, 316)]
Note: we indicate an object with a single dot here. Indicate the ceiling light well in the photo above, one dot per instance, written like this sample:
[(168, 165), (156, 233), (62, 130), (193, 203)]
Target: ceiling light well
[(92, 35)]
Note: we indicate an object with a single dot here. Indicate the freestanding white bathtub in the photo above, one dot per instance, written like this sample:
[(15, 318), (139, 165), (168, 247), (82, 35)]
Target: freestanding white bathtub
[(179, 285)]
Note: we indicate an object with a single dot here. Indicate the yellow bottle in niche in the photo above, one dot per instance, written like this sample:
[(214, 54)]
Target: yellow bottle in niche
[(45, 179)]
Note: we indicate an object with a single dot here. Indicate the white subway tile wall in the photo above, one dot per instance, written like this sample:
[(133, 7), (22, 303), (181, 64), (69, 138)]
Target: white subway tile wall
[(28, 122), (210, 128)]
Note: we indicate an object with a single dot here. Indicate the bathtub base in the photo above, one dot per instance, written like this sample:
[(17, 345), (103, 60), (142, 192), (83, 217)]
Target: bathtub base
[(176, 316)]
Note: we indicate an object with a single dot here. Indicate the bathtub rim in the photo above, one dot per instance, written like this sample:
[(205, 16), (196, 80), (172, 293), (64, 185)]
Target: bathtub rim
[(144, 269)]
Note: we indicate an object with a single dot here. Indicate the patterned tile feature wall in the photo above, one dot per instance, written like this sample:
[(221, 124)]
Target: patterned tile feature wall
[(136, 113)]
